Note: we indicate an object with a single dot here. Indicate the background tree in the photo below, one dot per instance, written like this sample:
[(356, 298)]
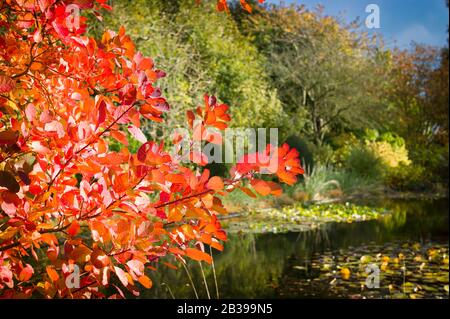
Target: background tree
[(324, 71), (205, 52)]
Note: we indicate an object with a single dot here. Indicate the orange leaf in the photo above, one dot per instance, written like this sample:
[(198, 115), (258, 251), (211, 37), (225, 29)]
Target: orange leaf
[(99, 259), (247, 191), (170, 265), (198, 255), (26, 273), (215, 183), (120, 137), (52, 273), (275, 189), (145, 281), (262, 187), (216, 245), (175, 178)]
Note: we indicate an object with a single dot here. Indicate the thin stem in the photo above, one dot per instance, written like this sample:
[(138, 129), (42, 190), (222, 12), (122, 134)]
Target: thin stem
[(169, 290), (214, 272), (190, 279), (204, 280)]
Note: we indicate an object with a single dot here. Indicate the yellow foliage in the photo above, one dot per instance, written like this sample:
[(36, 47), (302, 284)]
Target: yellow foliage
[(391, 155)]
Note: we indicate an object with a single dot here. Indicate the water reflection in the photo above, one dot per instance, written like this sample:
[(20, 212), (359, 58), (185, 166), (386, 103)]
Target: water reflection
[(289, 265)]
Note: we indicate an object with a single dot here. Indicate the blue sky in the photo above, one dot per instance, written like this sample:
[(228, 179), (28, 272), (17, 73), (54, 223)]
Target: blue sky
[(402, 21)]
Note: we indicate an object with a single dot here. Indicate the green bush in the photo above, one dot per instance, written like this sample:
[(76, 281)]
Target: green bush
[(435, 158), (364, 163), (323, 154), (351, 182), (343, 144), (407, 178)]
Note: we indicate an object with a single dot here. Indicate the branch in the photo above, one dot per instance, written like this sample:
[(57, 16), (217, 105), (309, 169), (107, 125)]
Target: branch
[(15, 244), (88, 144)]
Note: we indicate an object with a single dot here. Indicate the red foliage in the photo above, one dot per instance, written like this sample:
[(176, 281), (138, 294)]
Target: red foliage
[(66, 198)]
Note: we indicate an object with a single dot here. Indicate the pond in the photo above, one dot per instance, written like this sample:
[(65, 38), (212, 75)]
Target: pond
[(408, 249)]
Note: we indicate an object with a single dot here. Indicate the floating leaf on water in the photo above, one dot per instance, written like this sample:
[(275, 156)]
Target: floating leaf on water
[(345, 273), (385, 259), (408, 287), (299, 267), (366, 259)]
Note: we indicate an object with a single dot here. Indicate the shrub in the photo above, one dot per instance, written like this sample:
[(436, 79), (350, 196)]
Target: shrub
[(352, 182), (407, 178), (392, 155), (68, 201), (364, 163)]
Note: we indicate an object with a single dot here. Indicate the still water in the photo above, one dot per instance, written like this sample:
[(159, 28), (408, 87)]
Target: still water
[(410, 247)]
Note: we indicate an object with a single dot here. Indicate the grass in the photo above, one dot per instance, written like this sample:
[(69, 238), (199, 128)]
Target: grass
[(325, 181)]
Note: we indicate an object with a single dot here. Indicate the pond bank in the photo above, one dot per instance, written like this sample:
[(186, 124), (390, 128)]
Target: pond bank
[(312, 214)]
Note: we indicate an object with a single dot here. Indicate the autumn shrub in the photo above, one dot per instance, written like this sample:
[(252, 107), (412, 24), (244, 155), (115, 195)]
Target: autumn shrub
[(74, 207)]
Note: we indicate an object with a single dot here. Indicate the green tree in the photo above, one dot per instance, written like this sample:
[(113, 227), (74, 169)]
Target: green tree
[(206, 53), (325, 72)]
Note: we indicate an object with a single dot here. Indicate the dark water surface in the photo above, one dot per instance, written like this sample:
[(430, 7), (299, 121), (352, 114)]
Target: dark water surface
[(410, 246)]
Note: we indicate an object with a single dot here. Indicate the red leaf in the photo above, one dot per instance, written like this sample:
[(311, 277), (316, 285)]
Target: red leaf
[(74, 228), (101, 113), (142, 152), (6, 84), (8, 137)]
